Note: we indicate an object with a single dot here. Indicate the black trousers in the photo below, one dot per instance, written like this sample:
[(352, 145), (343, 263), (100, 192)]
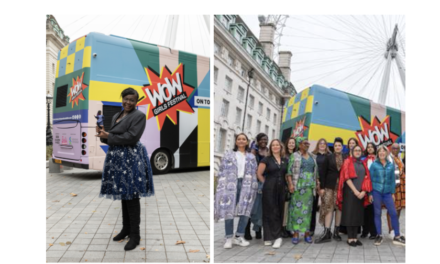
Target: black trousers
[(369, 227), (314, 210), (352, 231)]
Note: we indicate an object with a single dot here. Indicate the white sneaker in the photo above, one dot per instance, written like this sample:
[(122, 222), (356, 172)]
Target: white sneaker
[(241, 241), (277, 243), (391, 235), (268, 243), (228, 243)]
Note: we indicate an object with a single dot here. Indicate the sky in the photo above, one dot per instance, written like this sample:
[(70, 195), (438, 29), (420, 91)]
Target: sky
[(192, 33), (342, 52)]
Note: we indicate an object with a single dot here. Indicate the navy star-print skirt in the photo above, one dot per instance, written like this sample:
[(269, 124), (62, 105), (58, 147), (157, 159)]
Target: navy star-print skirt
[(127, 173)]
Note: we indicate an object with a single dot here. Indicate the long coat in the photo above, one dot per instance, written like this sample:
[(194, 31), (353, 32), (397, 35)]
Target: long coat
[(225, 198)]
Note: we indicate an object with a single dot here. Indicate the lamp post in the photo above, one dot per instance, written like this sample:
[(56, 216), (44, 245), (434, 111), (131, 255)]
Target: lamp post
[(48, 131), (250, 76)]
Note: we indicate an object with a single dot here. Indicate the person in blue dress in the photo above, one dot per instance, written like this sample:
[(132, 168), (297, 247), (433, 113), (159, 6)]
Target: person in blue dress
[(100, 119), (127, 173)]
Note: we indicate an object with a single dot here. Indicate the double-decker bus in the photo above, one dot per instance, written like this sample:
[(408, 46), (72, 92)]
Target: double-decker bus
[(320, 112), (174, 93)]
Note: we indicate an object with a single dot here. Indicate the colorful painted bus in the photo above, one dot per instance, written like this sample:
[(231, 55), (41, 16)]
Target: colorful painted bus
[(174, 91), (320, 112)]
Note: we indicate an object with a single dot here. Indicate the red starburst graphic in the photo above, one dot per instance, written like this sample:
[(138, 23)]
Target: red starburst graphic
[(300, 128), (76, 90), (377, 132), (166, 94)]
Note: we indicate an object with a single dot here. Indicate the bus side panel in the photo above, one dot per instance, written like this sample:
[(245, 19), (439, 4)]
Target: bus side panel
[(188, 128), (202, 101)]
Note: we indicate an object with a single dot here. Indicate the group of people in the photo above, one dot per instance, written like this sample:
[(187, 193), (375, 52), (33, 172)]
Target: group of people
[(280, 187)]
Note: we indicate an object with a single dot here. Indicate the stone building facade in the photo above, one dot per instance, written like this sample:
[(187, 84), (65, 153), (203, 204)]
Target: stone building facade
[(55, 41), (237, 52)]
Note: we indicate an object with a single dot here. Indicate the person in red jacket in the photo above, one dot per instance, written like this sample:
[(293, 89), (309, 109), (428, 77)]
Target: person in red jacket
[(354, 184)]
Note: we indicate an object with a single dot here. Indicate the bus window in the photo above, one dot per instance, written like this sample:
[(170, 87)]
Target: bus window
[(109, 111), (61, 99)]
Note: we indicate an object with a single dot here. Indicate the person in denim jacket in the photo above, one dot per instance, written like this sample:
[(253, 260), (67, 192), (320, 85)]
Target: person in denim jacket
[(384, 186)]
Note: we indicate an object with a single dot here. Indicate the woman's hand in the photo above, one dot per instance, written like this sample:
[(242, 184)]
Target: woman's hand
[(291, 188), (394, 198), (321, 192), (102, 134), (370, 198), (361, 195)]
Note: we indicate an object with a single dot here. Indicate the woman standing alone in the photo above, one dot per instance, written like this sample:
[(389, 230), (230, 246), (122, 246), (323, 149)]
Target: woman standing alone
[(127, 174)]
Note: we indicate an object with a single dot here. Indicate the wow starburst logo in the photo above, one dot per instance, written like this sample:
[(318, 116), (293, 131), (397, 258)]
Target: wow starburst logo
[(300, 128), (76, 91), (377, 132), (166, 94)]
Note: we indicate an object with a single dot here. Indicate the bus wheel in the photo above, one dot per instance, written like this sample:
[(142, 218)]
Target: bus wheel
[(161, 162)]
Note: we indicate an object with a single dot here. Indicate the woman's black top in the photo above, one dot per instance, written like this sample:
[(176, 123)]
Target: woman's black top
[(273, 169), (128, 130), (320, 160), (330, 173)]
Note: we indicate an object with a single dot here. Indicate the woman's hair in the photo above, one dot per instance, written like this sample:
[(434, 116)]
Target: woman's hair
[(327, 150), (381, 147), (282, 152), (287, 144), (374, 147), (129, 91), (355, 140), (235, 142), (99, 112), (260, 136), (352, 150)]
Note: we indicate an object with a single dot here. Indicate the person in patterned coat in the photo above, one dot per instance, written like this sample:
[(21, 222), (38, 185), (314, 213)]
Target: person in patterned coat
[(236, 190)]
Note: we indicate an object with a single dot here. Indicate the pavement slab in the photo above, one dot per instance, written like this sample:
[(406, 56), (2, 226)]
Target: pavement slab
[(86, 224), (334, 252)]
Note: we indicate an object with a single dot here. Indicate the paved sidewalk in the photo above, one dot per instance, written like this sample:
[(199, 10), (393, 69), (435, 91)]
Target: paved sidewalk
[(337, 252), (81, 228)]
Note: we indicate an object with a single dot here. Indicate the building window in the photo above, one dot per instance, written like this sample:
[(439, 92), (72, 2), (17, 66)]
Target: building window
[(237, 37), (258, 126), (243, 72), (240, 95), (268, 114), (275, 119), (53, 68), (260, 108), (216, 48), (251, 101), (221, 140), (273, 134), (225, 108), (249, 122), (266, 130), (248, 48), (225, 22), (215, 74), (238, 116), (228, 84), (230, 61)]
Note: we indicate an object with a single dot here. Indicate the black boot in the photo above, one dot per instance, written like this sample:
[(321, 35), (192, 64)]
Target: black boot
[(134, 211), (125, 223), (285, 233), (336, 235), (247, 232), (258, 234), (326, 236)]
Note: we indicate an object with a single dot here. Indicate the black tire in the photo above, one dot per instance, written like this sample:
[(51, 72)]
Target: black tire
[(161, 161)]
